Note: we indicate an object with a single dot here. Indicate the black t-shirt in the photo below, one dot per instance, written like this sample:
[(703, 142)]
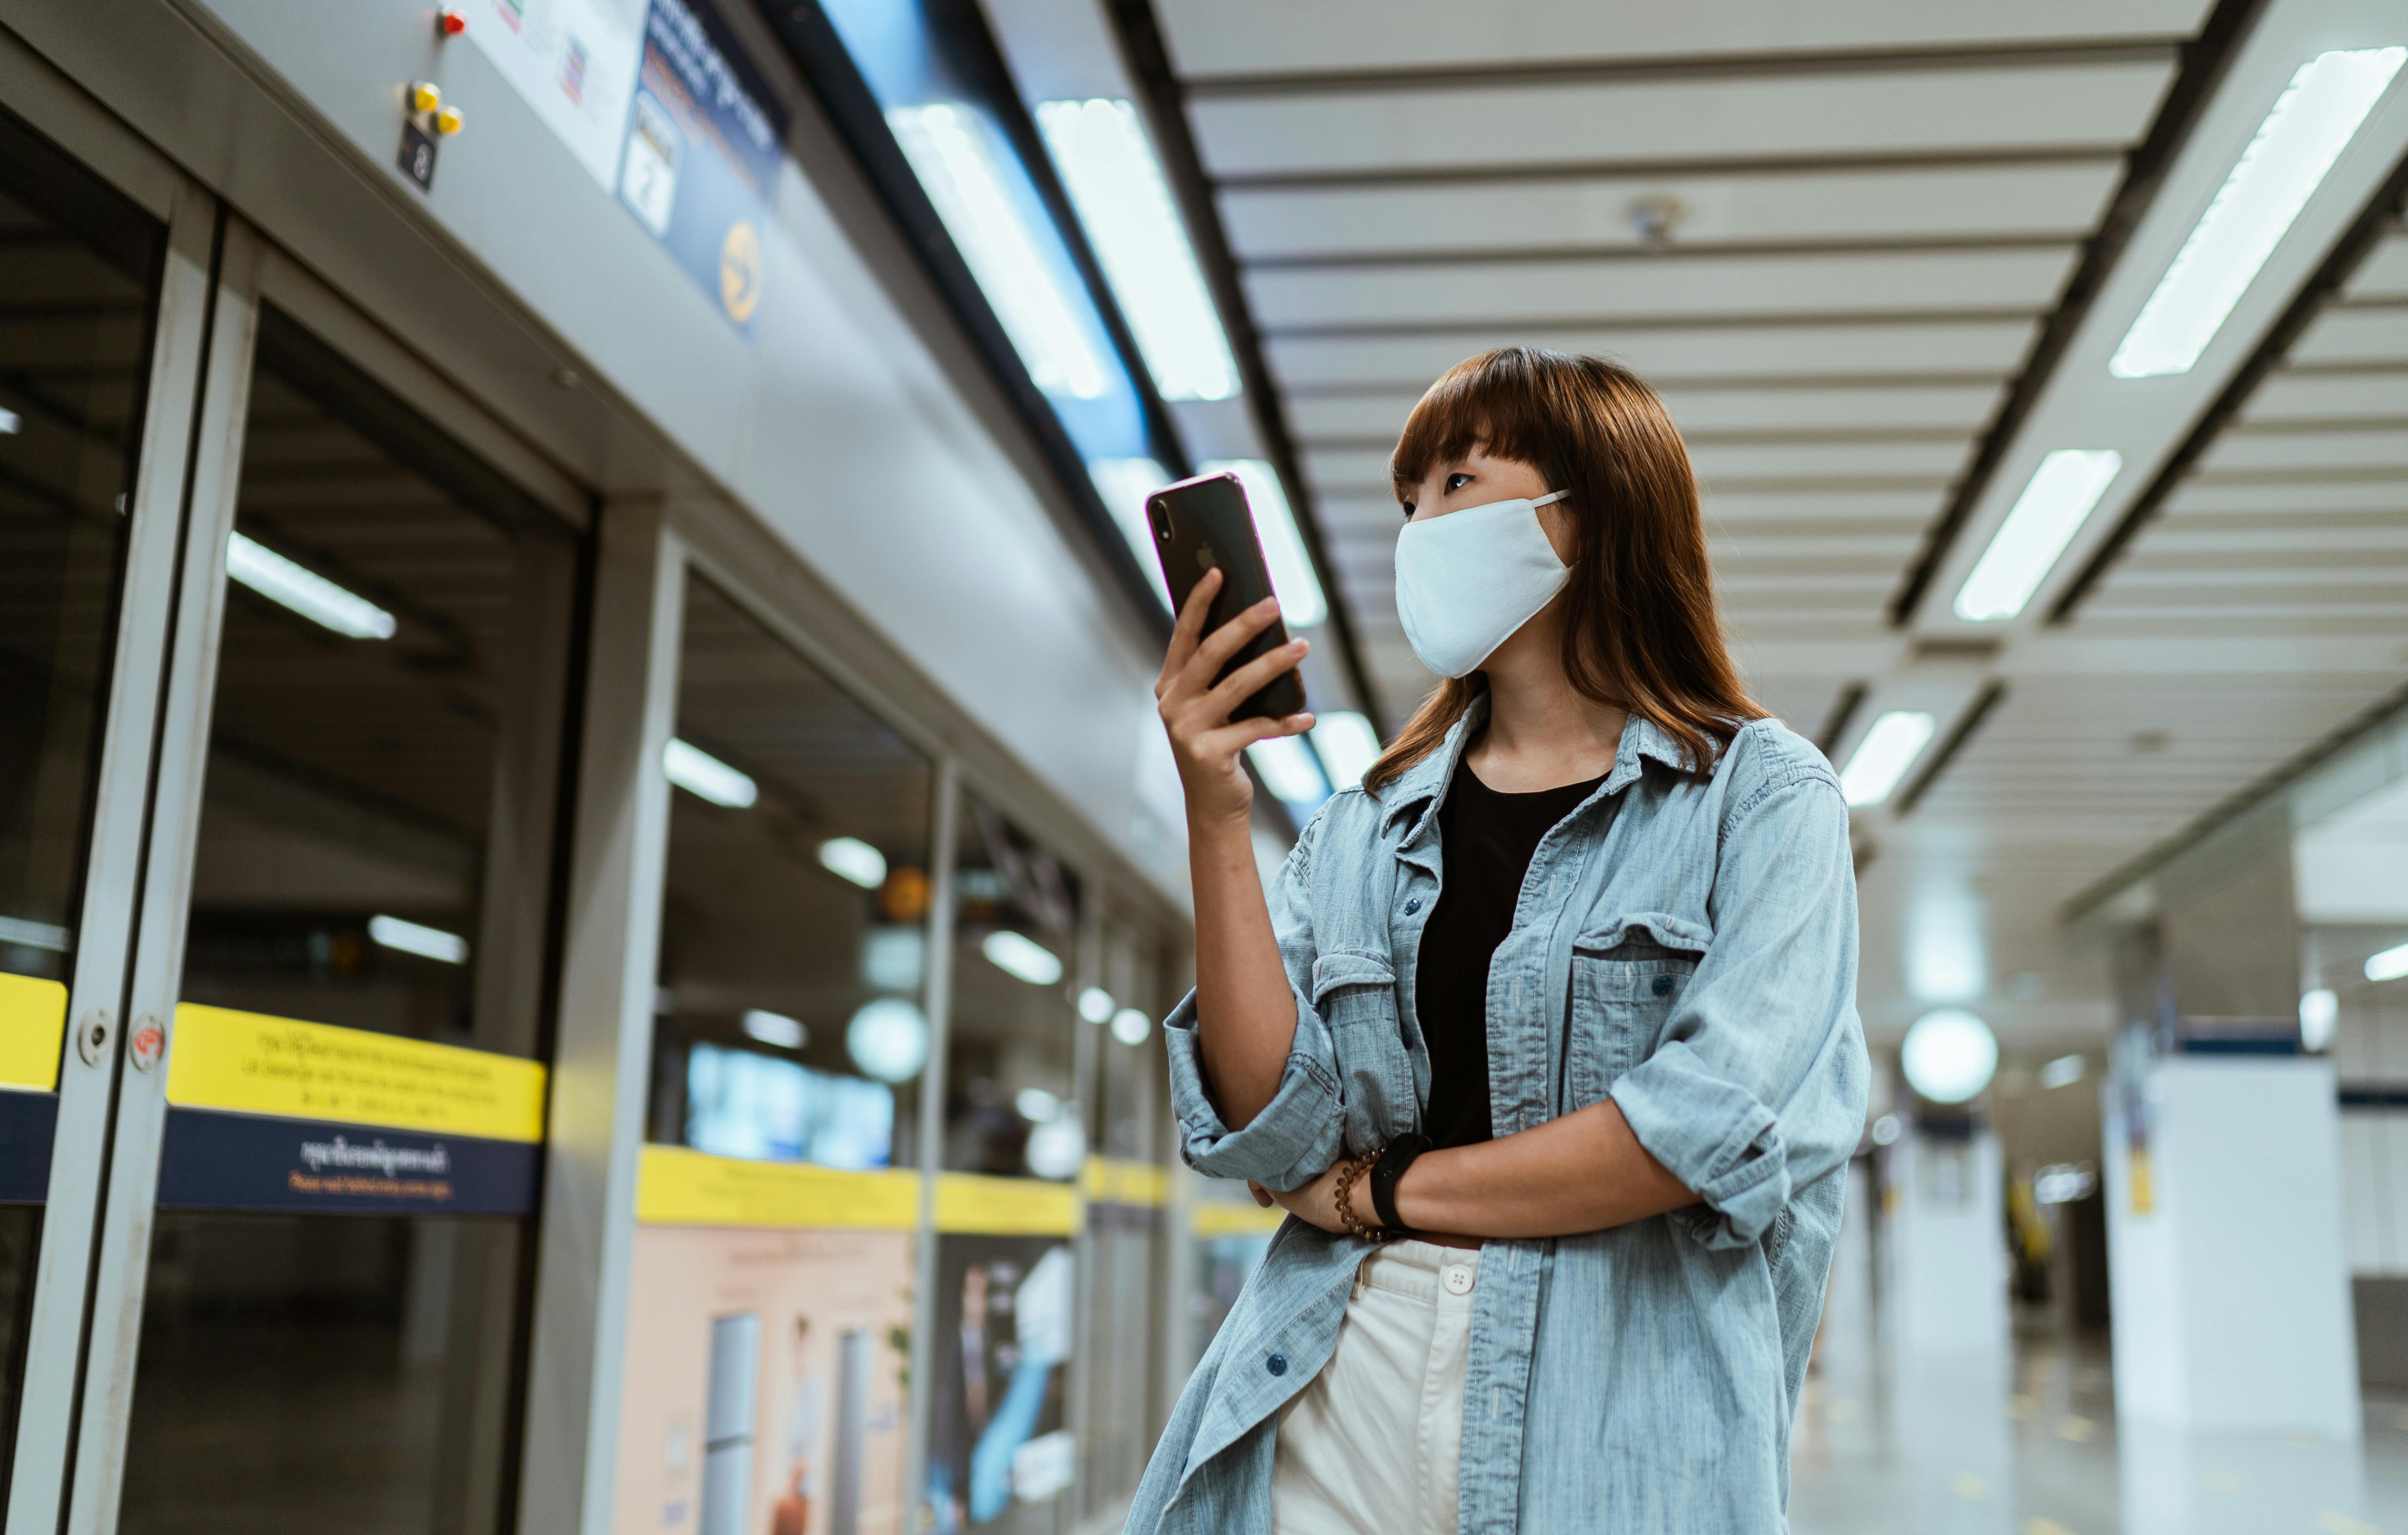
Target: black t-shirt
[(1487, 840)]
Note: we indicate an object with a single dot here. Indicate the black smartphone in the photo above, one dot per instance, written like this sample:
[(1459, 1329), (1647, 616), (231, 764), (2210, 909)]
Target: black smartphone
[(1203, 524)]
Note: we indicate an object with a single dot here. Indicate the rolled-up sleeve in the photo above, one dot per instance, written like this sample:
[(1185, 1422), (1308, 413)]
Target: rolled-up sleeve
[(1296, 1137), (1758, 1087)]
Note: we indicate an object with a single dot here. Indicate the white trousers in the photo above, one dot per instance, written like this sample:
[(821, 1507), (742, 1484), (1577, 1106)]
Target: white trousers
[(1373, 1444)]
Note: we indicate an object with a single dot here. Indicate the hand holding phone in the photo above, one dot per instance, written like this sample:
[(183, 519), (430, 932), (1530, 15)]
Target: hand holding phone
[(1203, 524), (1229, 679)]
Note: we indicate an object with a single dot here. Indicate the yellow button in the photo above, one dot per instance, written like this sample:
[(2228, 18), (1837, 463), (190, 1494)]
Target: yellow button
[(448, 122), (426, 96)]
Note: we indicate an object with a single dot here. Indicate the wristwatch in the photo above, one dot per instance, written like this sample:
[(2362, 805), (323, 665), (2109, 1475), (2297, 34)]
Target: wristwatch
[(1390, 1166)]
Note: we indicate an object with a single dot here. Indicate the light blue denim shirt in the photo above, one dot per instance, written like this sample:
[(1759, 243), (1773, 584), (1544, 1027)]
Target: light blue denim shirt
[(1685, 948)]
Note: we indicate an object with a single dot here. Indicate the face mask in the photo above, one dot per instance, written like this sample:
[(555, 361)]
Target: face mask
[(1467, 581)]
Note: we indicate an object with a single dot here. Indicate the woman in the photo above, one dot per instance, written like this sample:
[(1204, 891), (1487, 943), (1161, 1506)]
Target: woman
[(1563, 993)]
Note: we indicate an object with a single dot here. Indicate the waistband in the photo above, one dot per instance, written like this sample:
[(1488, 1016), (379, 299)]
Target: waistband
[(1418, 1269)]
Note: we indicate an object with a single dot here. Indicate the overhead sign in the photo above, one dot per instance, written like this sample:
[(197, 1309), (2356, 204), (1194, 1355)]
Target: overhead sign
[(574, 62), (704, 140)]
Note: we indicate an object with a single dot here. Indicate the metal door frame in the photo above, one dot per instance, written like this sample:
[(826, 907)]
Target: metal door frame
[(113, 858)]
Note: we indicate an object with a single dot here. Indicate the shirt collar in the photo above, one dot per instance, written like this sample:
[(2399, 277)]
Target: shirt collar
[(1420, 783)]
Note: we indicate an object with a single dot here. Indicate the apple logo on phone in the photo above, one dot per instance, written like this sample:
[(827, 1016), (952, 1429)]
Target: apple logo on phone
[(1204, 558)]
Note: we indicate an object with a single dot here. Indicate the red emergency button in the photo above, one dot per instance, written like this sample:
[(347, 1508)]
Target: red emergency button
[(451, 22)]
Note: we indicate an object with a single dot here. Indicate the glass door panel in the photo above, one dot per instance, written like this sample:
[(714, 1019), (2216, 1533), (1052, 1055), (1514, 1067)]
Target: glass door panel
[(766, 1386), (330, 1329), (78, 291), (1000, 1452)]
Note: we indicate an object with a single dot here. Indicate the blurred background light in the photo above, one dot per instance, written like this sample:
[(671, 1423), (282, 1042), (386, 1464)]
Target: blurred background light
[(1949, 1055)]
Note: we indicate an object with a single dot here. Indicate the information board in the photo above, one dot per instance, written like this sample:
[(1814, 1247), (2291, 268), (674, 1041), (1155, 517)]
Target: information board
[(574, 62)]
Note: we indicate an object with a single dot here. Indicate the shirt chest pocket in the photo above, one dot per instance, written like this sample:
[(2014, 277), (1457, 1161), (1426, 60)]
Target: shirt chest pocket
[(1624, 989), (1355, 994)]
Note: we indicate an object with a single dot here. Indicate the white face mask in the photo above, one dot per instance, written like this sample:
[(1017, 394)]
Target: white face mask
[(1467, 581)]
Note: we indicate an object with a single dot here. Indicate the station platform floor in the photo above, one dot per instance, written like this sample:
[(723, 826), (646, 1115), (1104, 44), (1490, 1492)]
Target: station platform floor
[(2028, 1446)]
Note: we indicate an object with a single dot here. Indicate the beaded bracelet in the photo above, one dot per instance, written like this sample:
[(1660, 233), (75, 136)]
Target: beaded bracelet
[(1348, 1172)]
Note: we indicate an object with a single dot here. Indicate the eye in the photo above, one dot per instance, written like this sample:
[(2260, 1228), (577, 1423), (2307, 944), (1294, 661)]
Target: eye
[(1458, 480)]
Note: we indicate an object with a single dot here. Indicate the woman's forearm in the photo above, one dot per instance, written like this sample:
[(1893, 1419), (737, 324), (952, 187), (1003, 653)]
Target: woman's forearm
[(1245, 1016), (1584, 1171)]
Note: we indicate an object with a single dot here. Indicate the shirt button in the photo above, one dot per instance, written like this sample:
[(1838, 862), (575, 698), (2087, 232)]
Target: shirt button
[(1413, 905), (1276, 1364), (1661, 986), (1459, 1279)]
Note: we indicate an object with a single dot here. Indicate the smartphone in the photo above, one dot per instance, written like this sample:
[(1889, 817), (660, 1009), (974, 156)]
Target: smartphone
[(1203, 524)]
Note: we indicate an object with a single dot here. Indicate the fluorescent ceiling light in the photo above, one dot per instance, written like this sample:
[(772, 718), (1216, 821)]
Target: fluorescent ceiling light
[(1095, 1004), (1289, 769), (1123, 203), (2064, 1071), (2314, 119), (412, 938), (776, 1028), (954, 153), (2045, 519), (697, 771), (1131, 1027), (1301, 603), (1347, 745), (850, 858), (1022, 957), (1883, 756), (1124, 484), (304, 592), (48, 935), (2390, 965)]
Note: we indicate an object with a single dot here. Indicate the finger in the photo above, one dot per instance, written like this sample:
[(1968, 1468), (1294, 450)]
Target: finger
[(1262, 1196), (1188, 634), (1190, 627), (1227, 640), (1250, 679), (1236, 736)]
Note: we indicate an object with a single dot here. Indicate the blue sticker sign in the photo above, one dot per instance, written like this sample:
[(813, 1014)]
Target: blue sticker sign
[(704, 140)]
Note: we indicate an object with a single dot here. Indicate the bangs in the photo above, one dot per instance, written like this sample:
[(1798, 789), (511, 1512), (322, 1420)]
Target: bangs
[(1496, 403)]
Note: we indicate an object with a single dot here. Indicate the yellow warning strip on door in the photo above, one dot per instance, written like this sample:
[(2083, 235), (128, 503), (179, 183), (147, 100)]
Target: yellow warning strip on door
[(1224, 1219), (678, 1187), (33, 1029), (1114, 1180), (969, 1202), (254, 1063)]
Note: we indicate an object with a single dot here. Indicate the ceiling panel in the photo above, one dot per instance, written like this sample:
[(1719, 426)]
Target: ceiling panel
[(1587, 212), (1248, 37), (1922, 113), (1707, 412), (2348, 335), (1670, 357), (1657, 286), (1362, 470), (2297, 396), (2385, 273), (2315, 453)]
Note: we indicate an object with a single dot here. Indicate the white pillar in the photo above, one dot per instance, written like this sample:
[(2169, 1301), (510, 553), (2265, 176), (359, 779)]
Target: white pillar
[(2227, 1259), (1947, 1249)]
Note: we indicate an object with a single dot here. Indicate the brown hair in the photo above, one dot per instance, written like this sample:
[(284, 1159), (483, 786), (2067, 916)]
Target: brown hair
[(1640, 626)]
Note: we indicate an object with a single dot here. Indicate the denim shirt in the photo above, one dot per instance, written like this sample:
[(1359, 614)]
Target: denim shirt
[(1685, 948)]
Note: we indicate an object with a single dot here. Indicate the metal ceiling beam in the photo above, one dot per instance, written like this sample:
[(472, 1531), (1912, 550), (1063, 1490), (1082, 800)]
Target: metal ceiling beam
[(2204, 63)]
